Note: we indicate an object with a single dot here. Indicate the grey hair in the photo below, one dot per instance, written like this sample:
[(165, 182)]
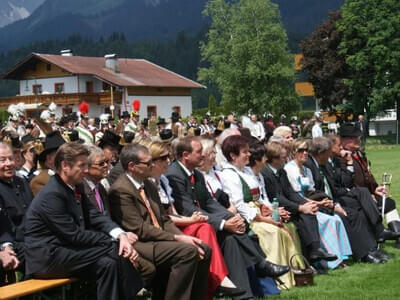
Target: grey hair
[(276, 139), (130, 153), (320, 145), (279, 131), (94, 151), (227, 132), (207, 144)]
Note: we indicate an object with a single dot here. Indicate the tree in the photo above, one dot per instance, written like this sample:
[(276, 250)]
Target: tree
[(326, 69), (371, 45), (248, 58)]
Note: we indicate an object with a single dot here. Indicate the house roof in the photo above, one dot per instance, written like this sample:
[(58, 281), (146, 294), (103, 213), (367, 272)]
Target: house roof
[(132, 72)]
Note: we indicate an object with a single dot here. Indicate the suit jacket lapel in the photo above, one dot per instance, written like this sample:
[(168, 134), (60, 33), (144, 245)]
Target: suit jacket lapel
[(136, 194)]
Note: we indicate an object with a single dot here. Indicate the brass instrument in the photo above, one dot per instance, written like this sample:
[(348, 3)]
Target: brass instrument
[(386, 182)]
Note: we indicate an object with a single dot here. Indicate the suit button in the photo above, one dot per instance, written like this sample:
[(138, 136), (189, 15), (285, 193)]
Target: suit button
[(80, 218)]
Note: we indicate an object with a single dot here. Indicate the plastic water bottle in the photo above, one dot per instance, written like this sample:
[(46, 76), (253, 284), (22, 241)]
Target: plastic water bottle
[(275, 210)]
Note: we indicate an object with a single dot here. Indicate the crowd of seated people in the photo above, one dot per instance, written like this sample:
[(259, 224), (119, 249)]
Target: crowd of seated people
[(191, 217)]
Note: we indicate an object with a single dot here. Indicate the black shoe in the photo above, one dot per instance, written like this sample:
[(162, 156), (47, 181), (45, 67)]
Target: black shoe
[(395, 226), (268, 269), (229, 292), (372, 259), (388, 235), (320, 254), (379, 254)]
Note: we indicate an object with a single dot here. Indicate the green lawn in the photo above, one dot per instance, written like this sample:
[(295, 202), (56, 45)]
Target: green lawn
[(362, 281)]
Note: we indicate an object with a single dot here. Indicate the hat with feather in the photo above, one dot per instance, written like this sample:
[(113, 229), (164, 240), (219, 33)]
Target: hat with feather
[(84, 110)]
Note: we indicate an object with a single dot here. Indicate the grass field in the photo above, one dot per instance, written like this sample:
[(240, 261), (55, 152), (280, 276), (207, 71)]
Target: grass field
[(362, 281)]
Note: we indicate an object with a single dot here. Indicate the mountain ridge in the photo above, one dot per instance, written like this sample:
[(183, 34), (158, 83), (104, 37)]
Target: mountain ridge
[(141, 19)]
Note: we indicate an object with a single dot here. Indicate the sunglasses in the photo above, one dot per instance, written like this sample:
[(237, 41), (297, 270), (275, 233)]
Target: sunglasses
[(147, 163), (163, 158), (102, 163), (302, 150)]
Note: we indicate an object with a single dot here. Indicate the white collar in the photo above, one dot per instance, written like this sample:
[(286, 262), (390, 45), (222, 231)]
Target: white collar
[(90, 183), (135, 182), (273, 169), (188, 173)]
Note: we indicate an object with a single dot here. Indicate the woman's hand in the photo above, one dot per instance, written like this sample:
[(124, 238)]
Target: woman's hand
[(198, 217), (265, 210)]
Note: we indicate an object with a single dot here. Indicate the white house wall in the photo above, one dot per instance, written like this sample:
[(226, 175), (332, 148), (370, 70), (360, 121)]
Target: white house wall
[(95, 110), (97, 84), (164, 105), (70, 85)]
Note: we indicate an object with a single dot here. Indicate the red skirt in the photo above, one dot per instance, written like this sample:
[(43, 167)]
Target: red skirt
[(218, 269)]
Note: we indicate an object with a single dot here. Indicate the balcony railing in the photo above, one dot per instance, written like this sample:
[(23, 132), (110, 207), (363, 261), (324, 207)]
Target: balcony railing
[(63, 99)]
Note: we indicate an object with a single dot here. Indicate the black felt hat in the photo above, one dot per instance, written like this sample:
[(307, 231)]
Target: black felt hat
[(161, 122), (166, 135), (349, 130), (74, 137), (52, 142), (111, 139), (125, 114)]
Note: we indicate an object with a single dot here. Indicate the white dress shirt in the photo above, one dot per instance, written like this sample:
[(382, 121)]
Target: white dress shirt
[(232, 185)]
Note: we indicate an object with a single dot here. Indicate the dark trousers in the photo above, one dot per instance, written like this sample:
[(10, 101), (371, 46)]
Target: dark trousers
[(240, 252), (116, 278), (307, 228), (363, 222), (181, 275)]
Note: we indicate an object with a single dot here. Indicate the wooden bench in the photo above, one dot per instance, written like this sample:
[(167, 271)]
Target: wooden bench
[(31, 286)]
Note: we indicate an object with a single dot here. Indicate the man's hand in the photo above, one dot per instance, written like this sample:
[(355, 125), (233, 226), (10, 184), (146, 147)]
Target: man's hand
[(326, 202), (346, 154), (284, 214), (340, 210), (132, 238), (125, 248), (9, 259), (191, 241), (309, 208), (235, 224), (380, 190)]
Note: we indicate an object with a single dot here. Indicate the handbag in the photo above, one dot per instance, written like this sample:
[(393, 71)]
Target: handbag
[(302, 276)]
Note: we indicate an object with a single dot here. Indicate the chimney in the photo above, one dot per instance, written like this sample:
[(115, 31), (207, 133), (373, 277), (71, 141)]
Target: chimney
[(66, 52), (112, 62)]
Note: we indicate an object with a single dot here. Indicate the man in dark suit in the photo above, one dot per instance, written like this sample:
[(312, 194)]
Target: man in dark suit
[(67, 236), (303, 213), (362, 230), (191, 194), (135, 205), (357, 163), (362, 126), (15, 198), (8, 258)]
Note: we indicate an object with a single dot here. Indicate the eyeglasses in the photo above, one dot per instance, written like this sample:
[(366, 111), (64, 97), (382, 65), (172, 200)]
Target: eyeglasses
[(163, 158), (302, 150), (101, 163), (147, 163)]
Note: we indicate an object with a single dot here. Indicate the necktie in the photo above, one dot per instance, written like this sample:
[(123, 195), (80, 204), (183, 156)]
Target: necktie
[(153, 218), (98, 199), (326, 184), (192, 180)]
